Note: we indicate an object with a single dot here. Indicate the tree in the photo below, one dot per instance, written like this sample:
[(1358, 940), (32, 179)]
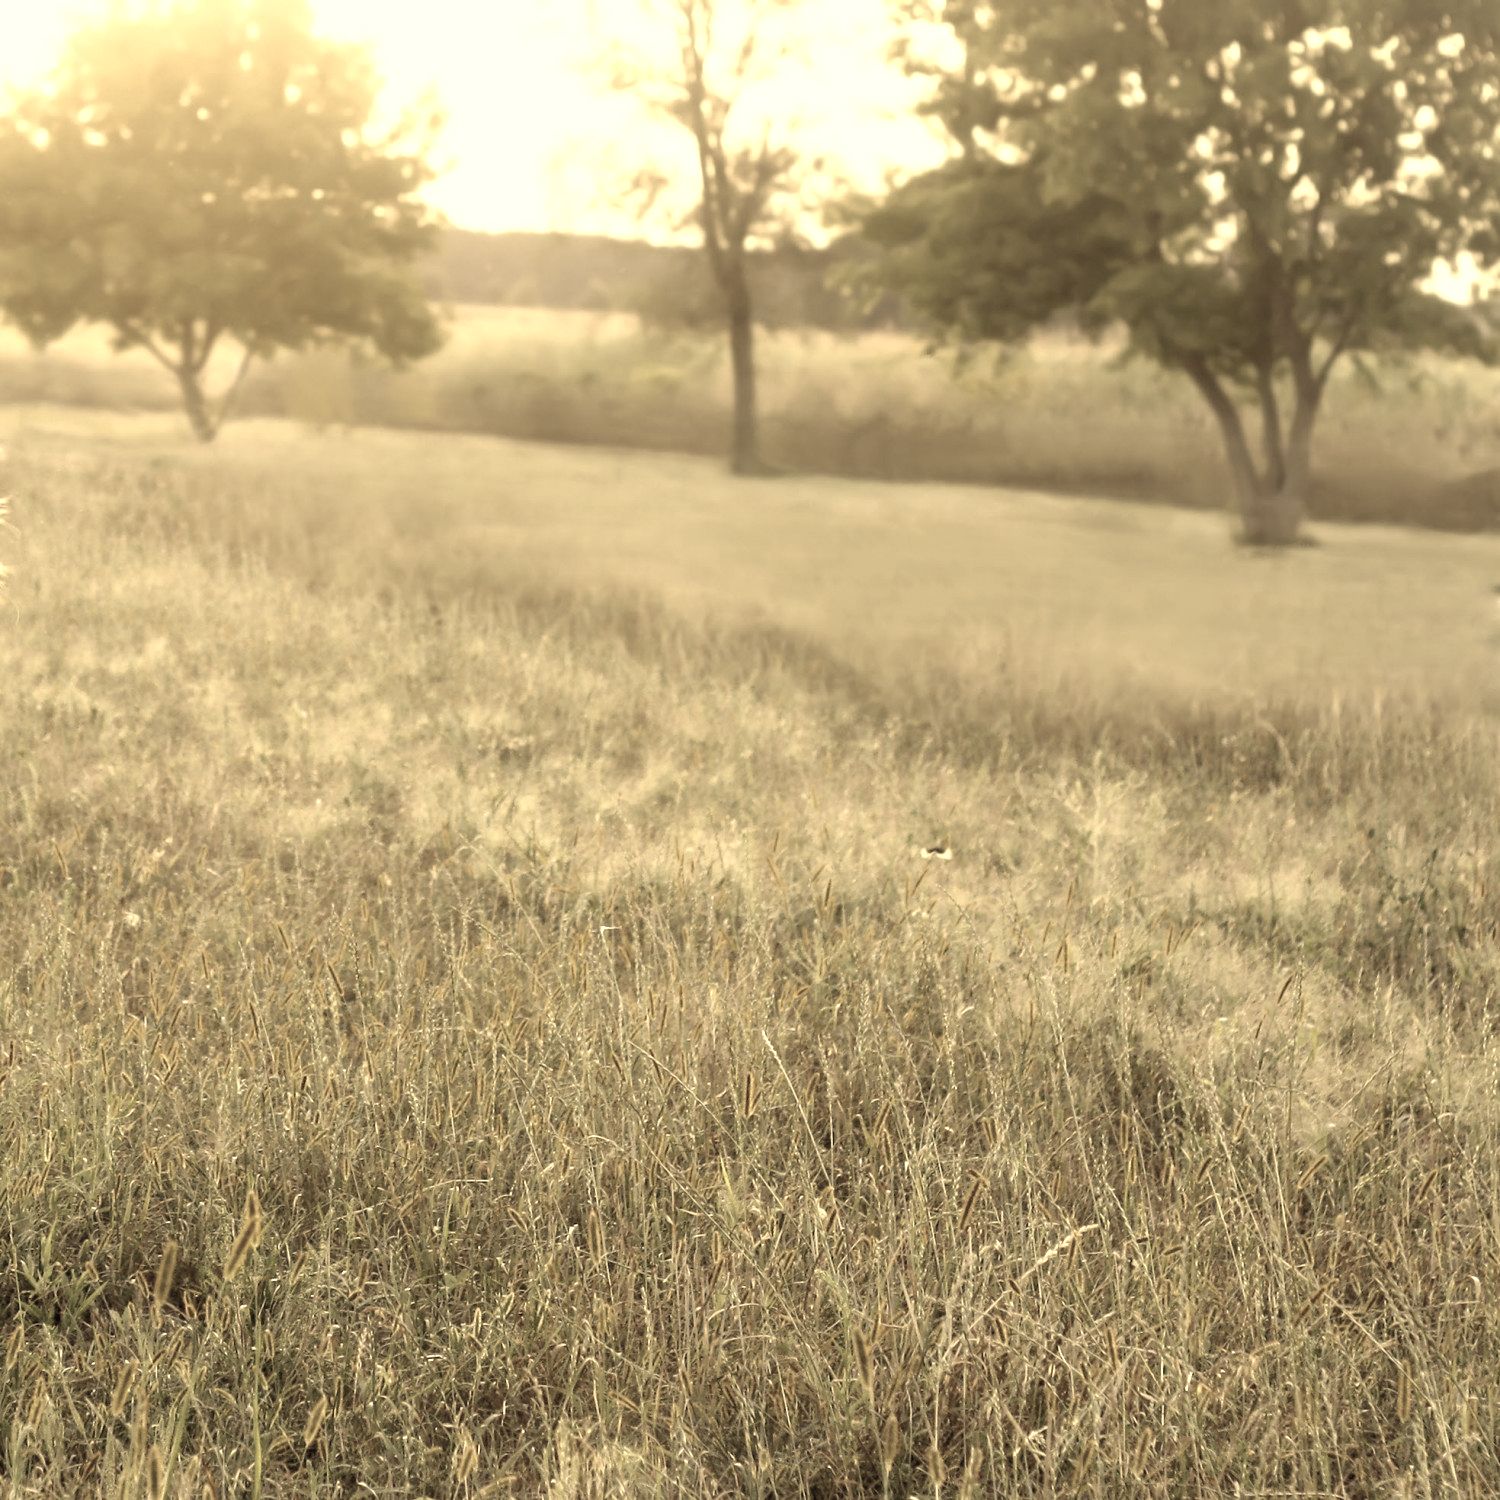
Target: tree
[(205, 174), (1252, 190), (712, 55)]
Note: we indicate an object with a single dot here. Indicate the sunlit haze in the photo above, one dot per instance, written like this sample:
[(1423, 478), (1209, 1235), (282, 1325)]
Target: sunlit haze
[(535, 140)]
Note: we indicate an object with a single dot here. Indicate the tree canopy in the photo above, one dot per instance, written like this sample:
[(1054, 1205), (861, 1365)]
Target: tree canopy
[(1251, 191), (203, 173)]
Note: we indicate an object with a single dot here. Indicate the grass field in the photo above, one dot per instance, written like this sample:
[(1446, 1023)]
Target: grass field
[(1415, 443), (475, 1017)]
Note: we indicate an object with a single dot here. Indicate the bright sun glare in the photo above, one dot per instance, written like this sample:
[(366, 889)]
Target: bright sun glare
[(533, 141)]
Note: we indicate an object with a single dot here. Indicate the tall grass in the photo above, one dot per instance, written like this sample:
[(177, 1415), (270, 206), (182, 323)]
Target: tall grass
[(468, 1034), (1414, 442)]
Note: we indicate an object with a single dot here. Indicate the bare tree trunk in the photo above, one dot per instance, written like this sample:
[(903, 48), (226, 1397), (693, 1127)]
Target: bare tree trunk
[(1270, 417), (1272, 504), (745, 452), (737, 187), (1299, 440), (1271, 515), (202, 417), (195, 404), (1281, 506)]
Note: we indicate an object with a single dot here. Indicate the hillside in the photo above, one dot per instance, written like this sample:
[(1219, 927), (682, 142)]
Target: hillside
[(479, 1022)]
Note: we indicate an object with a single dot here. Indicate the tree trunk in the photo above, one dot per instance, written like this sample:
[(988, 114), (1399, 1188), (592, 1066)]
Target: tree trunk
[(744, 456), (1271, 503), (1270, 417), (1299, 441), (1272, 512), (195, 404), (202, 414), (1271, 515)]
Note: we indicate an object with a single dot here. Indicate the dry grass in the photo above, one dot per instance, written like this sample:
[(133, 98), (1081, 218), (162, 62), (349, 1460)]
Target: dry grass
[(473, 1028), (1409, 443)]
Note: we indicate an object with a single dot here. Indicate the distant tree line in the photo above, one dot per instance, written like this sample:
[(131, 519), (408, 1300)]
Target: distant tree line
[(668, 285)]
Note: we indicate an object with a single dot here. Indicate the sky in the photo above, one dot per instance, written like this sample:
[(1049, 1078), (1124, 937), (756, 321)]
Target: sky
[(534, 141)]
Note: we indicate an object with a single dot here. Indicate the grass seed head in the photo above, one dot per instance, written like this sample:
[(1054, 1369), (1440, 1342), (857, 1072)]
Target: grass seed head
[(465, 1459), (890, 1444), (156, 1473), (970, 1199), (864, 1363), (247, 1238), (124, 1384), (315, 1419), (166, 1270)]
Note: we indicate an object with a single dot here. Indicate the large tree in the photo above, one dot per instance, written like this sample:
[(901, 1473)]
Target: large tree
[(1253, 189), (700, 65), (207, 174)]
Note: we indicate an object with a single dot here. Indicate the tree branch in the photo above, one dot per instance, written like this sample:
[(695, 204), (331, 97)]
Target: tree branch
[(226, 402), (211, 332), (1200, 372), (1335, 350), (711, 167), (750, 198), (143, 340)]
